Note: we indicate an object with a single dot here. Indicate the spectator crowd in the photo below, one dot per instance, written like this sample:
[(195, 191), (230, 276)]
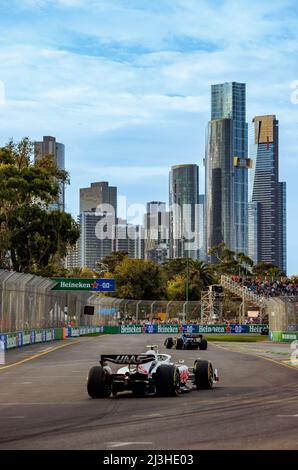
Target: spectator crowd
[(268, 288)]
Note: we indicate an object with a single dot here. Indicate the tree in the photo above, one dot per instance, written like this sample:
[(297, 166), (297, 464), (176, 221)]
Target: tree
[(112, 260), (267, 269), (172, 267), (229, 262), (176, 288), (32, 238), (139, 279), (198, 278)]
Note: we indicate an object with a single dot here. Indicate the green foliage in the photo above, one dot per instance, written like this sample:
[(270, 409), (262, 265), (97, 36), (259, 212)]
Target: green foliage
[(112, 260), (139, 279), (226, 261), (32, 238), (267, 270), (176, 288)]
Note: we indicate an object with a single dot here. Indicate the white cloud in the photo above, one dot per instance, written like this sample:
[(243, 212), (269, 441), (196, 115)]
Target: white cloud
[(129, 86)]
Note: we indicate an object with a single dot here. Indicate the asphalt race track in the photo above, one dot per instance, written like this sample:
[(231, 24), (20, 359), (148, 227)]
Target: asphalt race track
[(44, 403)]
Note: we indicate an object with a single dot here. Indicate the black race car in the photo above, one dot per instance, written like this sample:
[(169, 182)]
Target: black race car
[(187, 341)]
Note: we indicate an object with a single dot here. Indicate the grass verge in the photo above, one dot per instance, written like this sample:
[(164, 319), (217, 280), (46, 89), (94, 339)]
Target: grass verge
[(234, 338)]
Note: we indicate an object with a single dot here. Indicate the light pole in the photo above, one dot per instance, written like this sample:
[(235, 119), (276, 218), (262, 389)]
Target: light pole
[(187, 285)]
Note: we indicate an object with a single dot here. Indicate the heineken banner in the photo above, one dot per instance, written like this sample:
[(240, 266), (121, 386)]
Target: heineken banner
[(23, 338), (193, 328)]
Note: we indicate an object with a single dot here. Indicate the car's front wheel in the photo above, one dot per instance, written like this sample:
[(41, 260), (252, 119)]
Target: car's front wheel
[(169, 342), (203, 344), (98, 383), (179, 343)]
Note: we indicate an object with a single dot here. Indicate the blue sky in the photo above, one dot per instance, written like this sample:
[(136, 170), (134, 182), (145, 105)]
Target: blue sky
[(125, 84)]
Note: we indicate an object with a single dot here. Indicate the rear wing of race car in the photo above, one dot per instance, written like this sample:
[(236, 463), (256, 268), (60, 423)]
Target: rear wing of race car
[(133, 359), (192, 335)]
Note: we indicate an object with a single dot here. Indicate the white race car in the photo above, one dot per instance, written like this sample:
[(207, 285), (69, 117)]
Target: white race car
[(150, 373)]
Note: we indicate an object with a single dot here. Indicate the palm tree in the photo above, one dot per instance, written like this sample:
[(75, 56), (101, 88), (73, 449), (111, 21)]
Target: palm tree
[(202, 271)]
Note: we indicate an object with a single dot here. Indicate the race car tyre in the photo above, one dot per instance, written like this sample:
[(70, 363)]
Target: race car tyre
[(169, 343), (167, 380), (203, 344), (179, 343), (203, 372), (98, 383)]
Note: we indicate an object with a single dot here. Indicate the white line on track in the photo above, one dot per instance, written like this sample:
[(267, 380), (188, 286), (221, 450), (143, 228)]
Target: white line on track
[(287, 416), (22, 383), (123, 444), (12, 417)]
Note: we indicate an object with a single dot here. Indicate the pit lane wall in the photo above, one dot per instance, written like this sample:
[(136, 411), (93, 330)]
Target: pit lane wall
[(23, 338)]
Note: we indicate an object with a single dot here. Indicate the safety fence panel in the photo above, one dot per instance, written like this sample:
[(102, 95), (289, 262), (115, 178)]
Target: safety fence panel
[(283, 314)]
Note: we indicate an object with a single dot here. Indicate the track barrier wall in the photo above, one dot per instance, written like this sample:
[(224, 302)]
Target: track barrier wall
[(27, 337), (29, 307)]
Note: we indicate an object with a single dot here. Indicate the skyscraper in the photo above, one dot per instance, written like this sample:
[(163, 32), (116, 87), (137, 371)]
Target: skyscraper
[(228, 102), (156, 222), (202, 243), (49, 146), (92, 246), (128, 238), (268, 195), (98, 216), (184, 207), (219, 182), (98, 194)]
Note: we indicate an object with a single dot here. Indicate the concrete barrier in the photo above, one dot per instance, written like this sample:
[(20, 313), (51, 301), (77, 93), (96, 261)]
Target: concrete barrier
[(23, 338)]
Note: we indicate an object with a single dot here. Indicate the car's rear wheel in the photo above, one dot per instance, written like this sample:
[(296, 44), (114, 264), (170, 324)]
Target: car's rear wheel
[(203, 344), (98, 383), (179, 343), (167, 380), (203, 372), (169, 342)]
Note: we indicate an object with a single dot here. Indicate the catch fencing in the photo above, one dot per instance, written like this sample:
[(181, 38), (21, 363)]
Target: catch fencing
[(283, 313), (28, 302), (110, 309)]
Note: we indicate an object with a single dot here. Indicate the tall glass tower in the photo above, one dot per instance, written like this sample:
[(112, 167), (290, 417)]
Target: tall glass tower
[(50, 147), (219, 180), (184, 211), (268, 195), (228, 102)]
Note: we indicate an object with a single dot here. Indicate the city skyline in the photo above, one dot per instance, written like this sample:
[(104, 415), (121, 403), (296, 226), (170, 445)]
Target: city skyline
[(129, 103)]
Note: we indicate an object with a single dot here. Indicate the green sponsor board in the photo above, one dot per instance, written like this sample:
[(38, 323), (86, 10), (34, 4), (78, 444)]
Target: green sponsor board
[(212, 328), (38, 336), (175, 329), (58, 333), (26, 338), (289, 336), (11, 340), (132, 329), (257, 328), (73, 284), (74, 332), (48, 335), (284, 336), (111, 330)]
